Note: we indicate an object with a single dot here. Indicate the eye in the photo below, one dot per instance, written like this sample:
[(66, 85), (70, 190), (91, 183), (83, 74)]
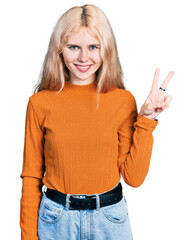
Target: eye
[(93, 47), (73, 47)]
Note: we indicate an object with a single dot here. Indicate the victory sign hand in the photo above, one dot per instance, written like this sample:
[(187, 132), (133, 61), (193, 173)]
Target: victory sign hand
[(156, 101)]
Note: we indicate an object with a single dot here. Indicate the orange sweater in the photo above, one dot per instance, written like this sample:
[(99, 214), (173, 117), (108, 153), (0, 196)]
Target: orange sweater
[(74, 148)]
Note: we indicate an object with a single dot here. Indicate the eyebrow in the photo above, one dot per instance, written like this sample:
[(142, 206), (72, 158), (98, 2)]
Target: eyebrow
[(71, 44)]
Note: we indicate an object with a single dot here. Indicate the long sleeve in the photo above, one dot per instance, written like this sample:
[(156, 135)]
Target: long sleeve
[(32, 174), (135, 144), (67, 138)]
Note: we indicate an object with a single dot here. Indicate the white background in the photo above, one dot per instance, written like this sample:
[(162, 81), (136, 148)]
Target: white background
[(149, 34)]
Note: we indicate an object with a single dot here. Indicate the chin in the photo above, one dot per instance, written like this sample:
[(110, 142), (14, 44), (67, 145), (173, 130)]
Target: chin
[(84, 77)]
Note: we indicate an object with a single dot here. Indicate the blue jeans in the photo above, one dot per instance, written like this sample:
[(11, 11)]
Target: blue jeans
[(58, 222)]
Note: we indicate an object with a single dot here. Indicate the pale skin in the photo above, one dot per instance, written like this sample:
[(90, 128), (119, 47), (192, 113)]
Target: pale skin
[(156, 102), (83, 49)]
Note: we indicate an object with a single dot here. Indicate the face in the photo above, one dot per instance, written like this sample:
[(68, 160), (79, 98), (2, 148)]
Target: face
[(82, 57)]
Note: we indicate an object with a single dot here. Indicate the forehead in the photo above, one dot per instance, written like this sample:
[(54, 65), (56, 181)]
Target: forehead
[(84, 36)]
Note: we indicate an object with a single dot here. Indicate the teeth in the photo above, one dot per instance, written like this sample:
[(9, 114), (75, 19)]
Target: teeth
[(84, 67)]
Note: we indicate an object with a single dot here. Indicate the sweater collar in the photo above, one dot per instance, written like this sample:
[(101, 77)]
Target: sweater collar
[(90, 86)]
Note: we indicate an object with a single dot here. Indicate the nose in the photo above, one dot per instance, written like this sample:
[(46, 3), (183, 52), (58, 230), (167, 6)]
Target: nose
[(83, 55)]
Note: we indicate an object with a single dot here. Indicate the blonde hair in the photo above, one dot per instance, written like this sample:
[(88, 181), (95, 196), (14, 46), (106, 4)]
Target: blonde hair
[(54, 71)]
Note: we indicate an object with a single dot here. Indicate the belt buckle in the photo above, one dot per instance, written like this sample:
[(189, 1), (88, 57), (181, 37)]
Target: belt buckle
[(80, 200)]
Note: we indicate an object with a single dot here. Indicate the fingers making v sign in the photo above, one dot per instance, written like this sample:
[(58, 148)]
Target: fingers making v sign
[(157, 101)]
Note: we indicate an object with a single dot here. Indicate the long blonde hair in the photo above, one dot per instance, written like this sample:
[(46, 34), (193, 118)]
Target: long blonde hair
[(54, 71)]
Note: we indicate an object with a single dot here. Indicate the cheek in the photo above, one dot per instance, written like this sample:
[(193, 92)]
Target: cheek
[(97, 59), (69, 57)]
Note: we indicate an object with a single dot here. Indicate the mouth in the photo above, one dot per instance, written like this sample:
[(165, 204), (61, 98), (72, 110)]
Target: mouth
[(83, 68)]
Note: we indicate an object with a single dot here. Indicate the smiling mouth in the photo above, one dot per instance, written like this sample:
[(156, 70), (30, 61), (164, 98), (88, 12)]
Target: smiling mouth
[(83, 68), (83, 65)]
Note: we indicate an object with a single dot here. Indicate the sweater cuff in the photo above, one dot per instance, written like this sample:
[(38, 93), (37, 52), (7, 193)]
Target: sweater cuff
[(145, 123)]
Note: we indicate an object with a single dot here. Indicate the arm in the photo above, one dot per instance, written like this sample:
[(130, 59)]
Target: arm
[(135, 132), (135, 144), (32, 174)]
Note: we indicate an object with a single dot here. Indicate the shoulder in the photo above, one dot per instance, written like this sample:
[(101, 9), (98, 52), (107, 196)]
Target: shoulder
[(124, 100), (129, 105), (44, 97), (40, 101), (39, 96), (125, 95)]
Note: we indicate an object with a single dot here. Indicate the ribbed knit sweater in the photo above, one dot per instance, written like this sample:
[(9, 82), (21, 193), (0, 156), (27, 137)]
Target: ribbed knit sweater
[(73, 147)]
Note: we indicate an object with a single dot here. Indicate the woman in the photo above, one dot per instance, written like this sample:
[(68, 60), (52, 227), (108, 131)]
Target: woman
[(82, 131)]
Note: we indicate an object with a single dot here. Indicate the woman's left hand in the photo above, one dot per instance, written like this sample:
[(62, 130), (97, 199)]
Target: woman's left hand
[(156, 101)]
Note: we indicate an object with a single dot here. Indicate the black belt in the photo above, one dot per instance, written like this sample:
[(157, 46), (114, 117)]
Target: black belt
[(89, 202)]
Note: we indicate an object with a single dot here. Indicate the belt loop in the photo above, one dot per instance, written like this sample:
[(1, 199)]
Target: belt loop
[(67, 201), (44, 188), (97, 201)]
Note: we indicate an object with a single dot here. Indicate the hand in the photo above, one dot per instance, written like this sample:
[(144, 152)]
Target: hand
[(156, 101)]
